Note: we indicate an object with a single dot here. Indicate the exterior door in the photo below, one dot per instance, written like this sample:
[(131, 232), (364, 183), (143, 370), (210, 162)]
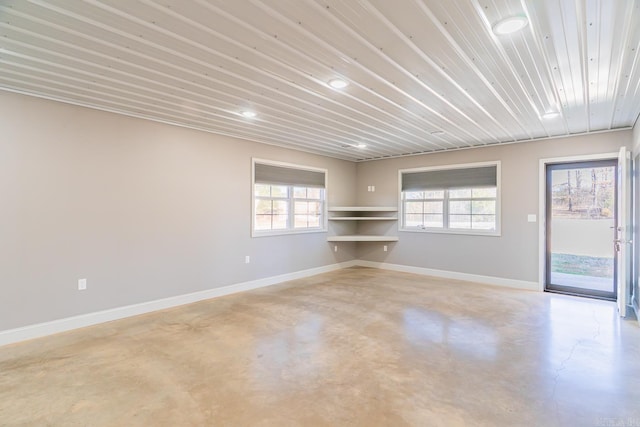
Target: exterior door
[(623, 241), (581, 221)]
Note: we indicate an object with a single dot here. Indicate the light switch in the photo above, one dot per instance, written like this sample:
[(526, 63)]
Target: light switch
[(532, 218)]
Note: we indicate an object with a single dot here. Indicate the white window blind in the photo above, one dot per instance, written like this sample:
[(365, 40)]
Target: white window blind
[(445, 179), (280, 175)]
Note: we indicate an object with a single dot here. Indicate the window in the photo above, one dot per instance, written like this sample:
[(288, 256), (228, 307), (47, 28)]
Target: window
[(287, 198), (456, 199)]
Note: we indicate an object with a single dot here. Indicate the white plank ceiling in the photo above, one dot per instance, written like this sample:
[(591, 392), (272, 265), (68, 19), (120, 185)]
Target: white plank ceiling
[(425, 75)]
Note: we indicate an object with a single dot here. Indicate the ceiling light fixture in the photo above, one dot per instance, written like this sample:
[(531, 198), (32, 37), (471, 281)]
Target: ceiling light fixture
[(338, 83), (249, 114), (361, 145), (550, 115), (510, 25)]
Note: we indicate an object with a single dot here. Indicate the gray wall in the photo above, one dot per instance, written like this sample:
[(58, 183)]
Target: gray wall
[(514, 255), (142, 210), (145, 210)]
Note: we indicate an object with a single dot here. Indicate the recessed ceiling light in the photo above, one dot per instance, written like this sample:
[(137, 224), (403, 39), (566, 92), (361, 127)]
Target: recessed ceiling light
[(510, 25), (249, 114), (551, 115), (338, 83), (361, 145)]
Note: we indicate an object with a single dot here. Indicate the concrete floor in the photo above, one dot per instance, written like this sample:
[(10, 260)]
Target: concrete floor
[(353, 347)]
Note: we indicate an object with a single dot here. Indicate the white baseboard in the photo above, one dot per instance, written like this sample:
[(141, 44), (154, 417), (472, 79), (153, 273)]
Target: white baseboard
[(62, 325), (489, 280)]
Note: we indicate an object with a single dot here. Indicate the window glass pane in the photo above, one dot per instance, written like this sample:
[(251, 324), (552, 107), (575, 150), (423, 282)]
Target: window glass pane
[(280, 207), (263, 190), (484, 192), (279, 222), (484, 222), (433, 207), (306, 221), (460, 193), (300, 221), (263, 207), (461, 207), (413, 195), (434, 221), (414, 207), (436, 194), (279, 191), (483, 207), (314, 193), (263, 222), (314, 208), (300, 207), (314, 220), (300, 192), (460, 221), (413, 220)]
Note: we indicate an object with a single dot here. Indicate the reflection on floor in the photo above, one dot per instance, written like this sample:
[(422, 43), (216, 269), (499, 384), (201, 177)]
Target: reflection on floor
[(353, 347)]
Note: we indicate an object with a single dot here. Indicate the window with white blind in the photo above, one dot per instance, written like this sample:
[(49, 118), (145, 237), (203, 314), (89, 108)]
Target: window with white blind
[(461, 199), (287, 198)]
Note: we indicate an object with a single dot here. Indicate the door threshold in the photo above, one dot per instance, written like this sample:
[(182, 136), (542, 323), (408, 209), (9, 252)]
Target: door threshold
[(577, 294)]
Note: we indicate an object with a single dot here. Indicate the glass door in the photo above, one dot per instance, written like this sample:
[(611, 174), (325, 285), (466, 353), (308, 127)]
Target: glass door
[(581, 228)]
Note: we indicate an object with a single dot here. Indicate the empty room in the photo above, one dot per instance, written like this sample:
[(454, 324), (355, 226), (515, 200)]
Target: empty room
[(319, 213)]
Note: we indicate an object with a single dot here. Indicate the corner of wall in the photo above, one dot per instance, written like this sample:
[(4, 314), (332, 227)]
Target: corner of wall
[(635, 137)]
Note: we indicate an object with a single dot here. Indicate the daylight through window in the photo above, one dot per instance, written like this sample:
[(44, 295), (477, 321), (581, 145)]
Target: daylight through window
[(287, 198), (458, 199)]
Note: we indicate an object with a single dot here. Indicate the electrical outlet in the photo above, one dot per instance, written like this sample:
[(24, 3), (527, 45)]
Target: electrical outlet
[(82, 284), (335, 248), (384, 248), (247, 259)]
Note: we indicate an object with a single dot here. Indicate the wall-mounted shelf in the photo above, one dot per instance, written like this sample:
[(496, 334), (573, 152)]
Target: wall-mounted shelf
[(362, 238), (363, 218), (363, 209), (363, 213)]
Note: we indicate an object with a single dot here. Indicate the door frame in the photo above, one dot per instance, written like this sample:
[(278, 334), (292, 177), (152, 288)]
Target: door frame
[(568, 290), (542, 204)]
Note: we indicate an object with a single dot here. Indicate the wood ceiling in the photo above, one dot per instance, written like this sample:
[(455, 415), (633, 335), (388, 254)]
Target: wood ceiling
[(425, 75)]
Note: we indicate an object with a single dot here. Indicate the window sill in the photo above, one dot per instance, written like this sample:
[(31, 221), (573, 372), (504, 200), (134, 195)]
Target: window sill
[(286, 232), (495, 233)]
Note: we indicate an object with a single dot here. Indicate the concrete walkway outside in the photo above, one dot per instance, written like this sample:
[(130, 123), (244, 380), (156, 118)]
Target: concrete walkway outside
[(584, 282)]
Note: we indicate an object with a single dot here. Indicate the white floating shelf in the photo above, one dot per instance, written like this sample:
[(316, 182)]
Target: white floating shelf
[(363, 218), (362, 238), (363, 209)]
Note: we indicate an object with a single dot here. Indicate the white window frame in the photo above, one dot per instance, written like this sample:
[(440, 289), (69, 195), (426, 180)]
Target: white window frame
[(290, 222), (493, 233)]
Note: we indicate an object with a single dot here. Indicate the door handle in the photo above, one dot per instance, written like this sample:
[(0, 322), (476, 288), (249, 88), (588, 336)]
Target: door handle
[(617, 243)]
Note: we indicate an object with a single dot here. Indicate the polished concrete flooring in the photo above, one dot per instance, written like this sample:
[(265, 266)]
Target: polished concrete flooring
[(360, 347)]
